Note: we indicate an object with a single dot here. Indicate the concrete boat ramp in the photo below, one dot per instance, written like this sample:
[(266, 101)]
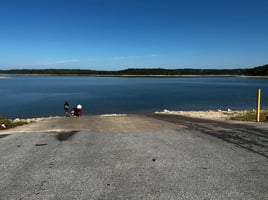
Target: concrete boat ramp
[(134, 157)]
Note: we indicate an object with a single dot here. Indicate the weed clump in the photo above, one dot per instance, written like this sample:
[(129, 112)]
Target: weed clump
[(250, 115), (7, 123)]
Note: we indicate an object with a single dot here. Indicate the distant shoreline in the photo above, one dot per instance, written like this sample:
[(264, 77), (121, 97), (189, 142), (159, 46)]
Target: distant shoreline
[(123, 75), (145, 72), (138, 76), (130, 72)]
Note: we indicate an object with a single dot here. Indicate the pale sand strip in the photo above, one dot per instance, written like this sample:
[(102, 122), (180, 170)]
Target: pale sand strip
[(210, 114)]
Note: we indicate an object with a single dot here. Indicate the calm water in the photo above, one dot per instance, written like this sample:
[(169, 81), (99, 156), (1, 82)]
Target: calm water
[(33, 96)]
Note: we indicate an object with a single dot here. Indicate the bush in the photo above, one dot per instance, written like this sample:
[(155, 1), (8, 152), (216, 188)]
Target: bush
[(9, 123)]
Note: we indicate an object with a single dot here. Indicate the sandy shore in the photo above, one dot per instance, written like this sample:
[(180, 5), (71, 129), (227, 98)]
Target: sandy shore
[(113, 122), (210, 114), (37, 119)]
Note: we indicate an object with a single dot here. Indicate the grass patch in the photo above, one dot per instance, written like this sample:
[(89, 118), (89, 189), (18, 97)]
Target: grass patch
[(7, 123), (250, 115)]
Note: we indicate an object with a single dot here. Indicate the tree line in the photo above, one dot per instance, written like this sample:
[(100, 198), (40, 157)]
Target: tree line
[(256, 71)]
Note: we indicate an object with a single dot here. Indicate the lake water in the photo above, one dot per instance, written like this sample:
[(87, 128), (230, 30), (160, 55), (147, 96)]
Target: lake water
[(35, 96)]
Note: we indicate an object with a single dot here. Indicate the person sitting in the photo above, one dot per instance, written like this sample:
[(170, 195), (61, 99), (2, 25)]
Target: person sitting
[(74, 112), (79, 110)]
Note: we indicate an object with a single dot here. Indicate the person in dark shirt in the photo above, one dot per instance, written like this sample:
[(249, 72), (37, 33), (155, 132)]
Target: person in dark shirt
[(66, 108)]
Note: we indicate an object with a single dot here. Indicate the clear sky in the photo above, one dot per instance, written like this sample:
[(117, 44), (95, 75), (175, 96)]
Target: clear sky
[(119, 34)]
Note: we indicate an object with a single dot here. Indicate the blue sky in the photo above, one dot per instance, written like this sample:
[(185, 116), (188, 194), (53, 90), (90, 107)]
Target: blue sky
[(119, 34)]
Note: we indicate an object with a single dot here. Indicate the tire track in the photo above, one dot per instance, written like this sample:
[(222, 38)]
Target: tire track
[(242, 135)]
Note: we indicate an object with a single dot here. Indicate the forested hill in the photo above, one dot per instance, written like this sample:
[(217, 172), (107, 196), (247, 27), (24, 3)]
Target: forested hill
[(257, 71), (132, 71)]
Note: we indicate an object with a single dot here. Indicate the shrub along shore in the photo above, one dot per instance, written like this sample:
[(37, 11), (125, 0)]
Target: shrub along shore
[(8, 123)]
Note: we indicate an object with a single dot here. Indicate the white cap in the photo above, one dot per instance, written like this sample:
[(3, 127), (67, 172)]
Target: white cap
[(79, 106)]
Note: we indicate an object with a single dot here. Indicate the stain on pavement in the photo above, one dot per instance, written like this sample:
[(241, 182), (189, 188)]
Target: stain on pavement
[(39, 145), (63, 136), (4, 135)]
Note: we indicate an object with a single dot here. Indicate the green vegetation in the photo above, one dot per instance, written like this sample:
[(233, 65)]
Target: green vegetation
[(250, 116), (130, 72), (7, 123), (189, 71), (258, 71)]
